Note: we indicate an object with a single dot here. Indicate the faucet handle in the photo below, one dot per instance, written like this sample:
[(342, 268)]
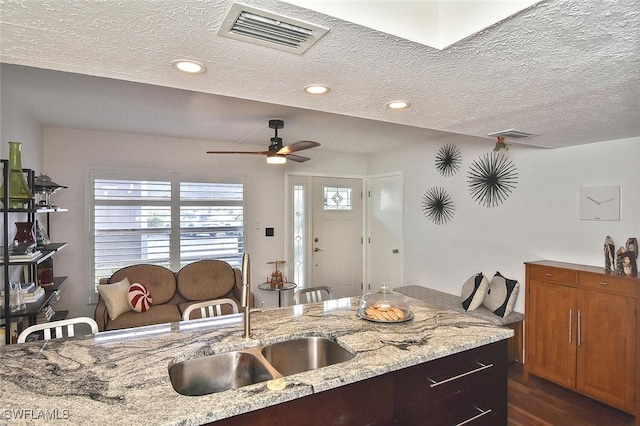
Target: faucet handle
[(258, 309)]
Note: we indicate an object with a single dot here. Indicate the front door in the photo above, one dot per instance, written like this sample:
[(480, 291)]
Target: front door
[(336, 235)]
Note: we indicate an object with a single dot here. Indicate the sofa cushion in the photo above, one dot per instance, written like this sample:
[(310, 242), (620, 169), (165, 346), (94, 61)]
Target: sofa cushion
[(115, 297), (501, 295), (160, 281), (205, 280), (139, 298), (449, 301), (157, 314), (474, 291)]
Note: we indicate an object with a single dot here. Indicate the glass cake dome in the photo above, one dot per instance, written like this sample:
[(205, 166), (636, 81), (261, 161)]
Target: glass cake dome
[(384, 306)]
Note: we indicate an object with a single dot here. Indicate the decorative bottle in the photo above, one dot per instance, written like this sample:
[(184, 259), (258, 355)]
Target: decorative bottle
[(19, 192)]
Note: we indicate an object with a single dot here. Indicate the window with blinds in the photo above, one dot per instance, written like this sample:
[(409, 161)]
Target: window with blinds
[(165, 222)]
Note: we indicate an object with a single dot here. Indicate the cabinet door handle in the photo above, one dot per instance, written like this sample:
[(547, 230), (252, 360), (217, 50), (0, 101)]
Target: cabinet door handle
[(604, 283), (579, 337), (570, 323), (477, 416), (475, 370), (549, 274)]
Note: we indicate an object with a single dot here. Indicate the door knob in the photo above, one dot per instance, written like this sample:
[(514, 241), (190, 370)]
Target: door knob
[(317, 249), (395, 251)]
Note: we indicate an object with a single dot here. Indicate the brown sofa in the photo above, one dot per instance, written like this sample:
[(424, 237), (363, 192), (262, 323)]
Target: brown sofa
[(172, 292)]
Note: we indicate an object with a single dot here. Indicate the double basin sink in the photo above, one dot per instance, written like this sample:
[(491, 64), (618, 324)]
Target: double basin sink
[(231, 370)]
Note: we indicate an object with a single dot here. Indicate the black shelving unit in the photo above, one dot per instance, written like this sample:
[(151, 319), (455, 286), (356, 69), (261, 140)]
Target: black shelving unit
[(5, 251), (51, 291)]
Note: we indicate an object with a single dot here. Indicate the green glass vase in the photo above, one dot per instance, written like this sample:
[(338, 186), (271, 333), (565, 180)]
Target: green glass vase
[(19, 192)]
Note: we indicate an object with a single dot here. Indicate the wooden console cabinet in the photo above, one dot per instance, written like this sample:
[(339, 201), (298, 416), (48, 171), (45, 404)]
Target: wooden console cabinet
[(580, 330), (468, 388)]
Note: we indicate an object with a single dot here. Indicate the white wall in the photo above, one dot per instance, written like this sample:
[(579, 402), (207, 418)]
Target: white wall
[(70, 154), (16, 125), (539, 220)]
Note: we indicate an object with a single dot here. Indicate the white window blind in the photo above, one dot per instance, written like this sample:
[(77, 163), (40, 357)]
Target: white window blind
[(164, 222)]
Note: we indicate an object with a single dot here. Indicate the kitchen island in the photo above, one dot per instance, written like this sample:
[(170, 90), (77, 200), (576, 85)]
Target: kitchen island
[(122, 377)]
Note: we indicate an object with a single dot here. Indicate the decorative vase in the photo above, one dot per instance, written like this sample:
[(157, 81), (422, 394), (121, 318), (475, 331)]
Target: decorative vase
[(19, 192), (25, 235)]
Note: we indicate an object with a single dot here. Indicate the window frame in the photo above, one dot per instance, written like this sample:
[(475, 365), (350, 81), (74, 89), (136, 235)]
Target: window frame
[(175, 204)]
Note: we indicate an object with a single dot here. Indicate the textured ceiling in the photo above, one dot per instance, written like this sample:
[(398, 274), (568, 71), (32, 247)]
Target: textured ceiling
[(568, 70)]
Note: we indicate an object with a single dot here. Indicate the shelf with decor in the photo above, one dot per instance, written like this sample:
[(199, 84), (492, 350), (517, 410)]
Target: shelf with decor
[(34, 264), (43, 253)]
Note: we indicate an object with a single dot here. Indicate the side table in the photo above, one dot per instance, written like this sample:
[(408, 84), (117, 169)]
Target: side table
[(280, 289)]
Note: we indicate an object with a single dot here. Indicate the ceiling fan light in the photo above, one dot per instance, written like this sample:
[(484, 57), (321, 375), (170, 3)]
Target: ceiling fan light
[(276, 159), (189, 66), (317, 89)]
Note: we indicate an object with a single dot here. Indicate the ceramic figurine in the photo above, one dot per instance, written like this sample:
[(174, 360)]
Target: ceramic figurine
[(626, 262), (609, 250), (632, 246)]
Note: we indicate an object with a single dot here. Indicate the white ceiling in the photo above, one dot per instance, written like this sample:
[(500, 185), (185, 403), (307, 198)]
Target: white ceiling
[(568, 70)]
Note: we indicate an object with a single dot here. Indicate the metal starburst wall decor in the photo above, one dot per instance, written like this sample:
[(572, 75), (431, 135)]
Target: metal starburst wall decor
[(491, 179), (437, 205), (448, 160)]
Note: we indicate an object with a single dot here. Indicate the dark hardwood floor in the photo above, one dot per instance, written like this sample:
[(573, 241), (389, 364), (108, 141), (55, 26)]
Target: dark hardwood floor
[(539, 402)]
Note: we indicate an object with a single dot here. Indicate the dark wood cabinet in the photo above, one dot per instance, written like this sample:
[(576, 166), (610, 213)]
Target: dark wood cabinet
[(469, 388), (581, 330)]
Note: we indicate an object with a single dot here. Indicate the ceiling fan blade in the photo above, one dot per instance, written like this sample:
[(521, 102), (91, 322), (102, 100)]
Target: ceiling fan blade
[(298, 158), (298, 146), (240, 152)]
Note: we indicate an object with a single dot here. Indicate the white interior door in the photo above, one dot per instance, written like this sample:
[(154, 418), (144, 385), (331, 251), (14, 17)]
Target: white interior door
[(336, 236), (384, 230)]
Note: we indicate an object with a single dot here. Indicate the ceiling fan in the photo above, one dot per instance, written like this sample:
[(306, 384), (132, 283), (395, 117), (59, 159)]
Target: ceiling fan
[(278, 153)]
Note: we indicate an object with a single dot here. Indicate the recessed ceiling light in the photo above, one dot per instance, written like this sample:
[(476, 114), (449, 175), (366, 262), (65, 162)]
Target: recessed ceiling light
[(317, 89), (189, 66), (398, 105)]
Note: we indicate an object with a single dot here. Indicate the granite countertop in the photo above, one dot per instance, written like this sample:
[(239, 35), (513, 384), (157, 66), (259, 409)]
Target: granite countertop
[(122, 377)]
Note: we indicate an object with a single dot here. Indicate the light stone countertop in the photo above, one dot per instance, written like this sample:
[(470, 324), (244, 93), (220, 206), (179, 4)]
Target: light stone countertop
[(122, 377)]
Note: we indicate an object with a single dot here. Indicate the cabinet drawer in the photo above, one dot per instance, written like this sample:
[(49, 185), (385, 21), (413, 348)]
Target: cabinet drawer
[(547, 273), (424, 383), (608, 283), (485, 404)]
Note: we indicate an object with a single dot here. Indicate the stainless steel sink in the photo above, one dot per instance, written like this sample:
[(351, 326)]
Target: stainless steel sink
[(296, 356), (218, 373), (231, 370)]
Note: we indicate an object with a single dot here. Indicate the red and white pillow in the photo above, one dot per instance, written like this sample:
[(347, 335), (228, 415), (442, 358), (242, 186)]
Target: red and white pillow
[(139, 297)]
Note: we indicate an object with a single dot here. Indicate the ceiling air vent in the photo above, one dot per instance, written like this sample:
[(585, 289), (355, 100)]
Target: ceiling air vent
[(513, 134), (269, 29)]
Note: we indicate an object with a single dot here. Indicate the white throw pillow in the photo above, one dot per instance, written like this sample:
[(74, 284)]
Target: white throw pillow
[(474, 291), (115, 297), (501, 296)]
